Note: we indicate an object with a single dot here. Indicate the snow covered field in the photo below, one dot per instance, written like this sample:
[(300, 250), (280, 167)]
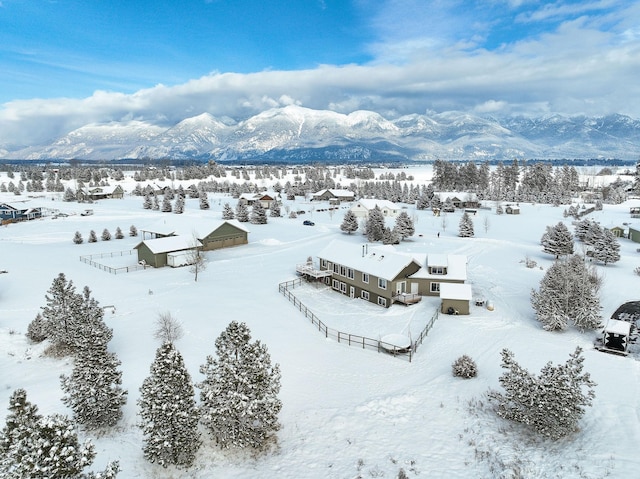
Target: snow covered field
[(347, 412)]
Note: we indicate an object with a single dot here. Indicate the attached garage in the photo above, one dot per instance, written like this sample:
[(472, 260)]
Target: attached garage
[(225, 234), (455, 298)]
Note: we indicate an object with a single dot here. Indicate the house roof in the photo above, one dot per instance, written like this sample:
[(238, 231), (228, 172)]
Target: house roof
[(381, 262), (215, 225), (461, 195), (370, 203), (455, 291), (337, 193), (456, 267), (616, 326), (169, 244)]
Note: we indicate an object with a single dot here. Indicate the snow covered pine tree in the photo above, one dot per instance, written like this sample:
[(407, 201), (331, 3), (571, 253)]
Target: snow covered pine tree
[(239, 395), (349, 223), (168, 411), (552, 403)]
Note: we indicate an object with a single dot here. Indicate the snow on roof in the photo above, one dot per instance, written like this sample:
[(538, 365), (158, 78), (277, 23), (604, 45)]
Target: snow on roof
[(616, 326), (381, 262), (169, 244), (455, 291), (463, 196), (341, 193), (370, 203), (161, 227), (456, 267), (217, 224)]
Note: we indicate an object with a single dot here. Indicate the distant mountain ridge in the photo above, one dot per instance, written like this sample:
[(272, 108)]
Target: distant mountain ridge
[(296, 134)]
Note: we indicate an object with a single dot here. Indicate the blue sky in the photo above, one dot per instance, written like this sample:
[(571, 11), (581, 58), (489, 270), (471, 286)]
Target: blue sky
[(64, 63)]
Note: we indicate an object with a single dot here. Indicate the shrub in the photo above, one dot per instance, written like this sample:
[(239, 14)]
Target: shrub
[(464, 367)]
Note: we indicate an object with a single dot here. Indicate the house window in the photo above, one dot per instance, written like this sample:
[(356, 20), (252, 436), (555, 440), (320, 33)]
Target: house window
[(350, 273), (364, 295), (336, 284), (435, 287), (365, 277), (323, 263), (343, 288), (382, 283), (336, 268), (343, 270), (437, 270), (382, 301)]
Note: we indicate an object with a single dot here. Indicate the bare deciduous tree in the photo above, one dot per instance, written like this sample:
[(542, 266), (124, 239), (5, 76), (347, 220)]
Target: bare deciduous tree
[(168, 328)]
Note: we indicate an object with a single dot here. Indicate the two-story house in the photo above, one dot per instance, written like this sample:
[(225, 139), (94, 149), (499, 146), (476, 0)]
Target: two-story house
[(376, 274)]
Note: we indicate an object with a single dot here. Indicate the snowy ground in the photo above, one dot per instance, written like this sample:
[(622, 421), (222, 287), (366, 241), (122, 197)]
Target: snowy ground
[(347, 412)]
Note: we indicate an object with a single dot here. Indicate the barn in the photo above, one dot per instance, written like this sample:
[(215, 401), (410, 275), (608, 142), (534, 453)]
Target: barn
[(224, 234)]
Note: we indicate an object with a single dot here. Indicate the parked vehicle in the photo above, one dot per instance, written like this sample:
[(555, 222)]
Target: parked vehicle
[(308, 223)]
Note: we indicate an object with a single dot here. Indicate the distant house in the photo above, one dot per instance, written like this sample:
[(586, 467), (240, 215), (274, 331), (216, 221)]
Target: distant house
[(378, 275), (154, 252), (224, 234), (634, 234), (362, 208), (11, 214), (439, 269), (250, 198), (512, 210), (458, 199), (455, 298), (333, 196), (100, 193), (635, 211)]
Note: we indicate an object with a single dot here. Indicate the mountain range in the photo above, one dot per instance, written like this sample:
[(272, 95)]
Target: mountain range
[(298, 134)]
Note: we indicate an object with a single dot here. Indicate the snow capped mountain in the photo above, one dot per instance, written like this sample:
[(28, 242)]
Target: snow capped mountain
[(294, 133)]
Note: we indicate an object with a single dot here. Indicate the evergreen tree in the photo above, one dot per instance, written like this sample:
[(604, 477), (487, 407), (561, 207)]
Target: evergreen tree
[(239, 395), (593, 234), (227, 212), (466, 226), (374, 227), (179, 206), (148, 202), (275, 209), (168, 411), (133, 231), (607, 249), (92, 237), (553, 402), (390, 236), (106, 236), (557, 240), (77, 238), (119, 234), (69, 195), (258, 214), (36, 331), (156, 204), (242, 213), (166, 204), (349, 223), (93, 390), (36, 447), (60, 300), (404, 225), (203, 200), (567, 293)]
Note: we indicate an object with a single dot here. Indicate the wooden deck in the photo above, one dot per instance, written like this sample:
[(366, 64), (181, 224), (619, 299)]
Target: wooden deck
[(407, 298), (309, 271)]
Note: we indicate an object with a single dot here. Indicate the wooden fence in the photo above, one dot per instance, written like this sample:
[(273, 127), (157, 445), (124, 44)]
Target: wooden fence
[(89, 259), (354, 339)]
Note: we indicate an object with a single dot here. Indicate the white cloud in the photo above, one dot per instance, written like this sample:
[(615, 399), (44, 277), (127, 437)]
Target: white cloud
[(576, 69)]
